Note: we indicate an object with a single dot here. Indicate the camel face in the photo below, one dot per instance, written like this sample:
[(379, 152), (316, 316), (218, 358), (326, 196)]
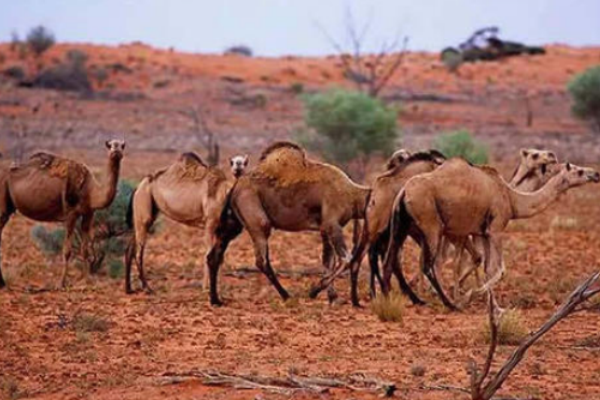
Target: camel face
[(115, 148), (238, 165), (398, 158), (534, 159), (577, 176)]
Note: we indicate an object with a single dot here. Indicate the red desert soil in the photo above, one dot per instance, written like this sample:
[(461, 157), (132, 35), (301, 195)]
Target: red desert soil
[(45, 355)]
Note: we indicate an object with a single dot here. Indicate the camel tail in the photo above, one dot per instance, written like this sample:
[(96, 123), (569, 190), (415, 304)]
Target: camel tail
[(129, 215)]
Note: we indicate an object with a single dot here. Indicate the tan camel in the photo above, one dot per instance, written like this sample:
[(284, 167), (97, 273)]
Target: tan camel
[(290, 192), (189, 192), (49, 188), (535, 169), (402, 167), (461, 200)]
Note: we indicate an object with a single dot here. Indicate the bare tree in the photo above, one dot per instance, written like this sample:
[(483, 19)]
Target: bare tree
[(369, 72), (484, 387), (206, 136)]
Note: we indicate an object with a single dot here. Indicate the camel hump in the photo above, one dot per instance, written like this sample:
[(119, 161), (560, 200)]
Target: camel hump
[(432, 156), (191, 157), (490, 171), (279, 146)]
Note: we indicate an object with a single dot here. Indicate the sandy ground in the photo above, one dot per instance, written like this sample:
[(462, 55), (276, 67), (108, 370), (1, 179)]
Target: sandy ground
[(45, 354)]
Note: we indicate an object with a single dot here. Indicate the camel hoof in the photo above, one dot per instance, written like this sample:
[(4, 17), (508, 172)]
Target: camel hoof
[(149, 291), (314, 292), (129, 291), (356, 304), (216, 303)]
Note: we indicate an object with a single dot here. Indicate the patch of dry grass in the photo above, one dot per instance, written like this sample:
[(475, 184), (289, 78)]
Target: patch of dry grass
[(511, 328), (84, 322), (388, 308)]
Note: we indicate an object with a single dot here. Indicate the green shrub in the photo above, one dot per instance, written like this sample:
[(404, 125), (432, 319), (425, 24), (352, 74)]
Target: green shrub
[(40, 39), (461, 144), (346, 125), (297, 88), (452, 59), (70, 75), (585, 90), (108, 244)]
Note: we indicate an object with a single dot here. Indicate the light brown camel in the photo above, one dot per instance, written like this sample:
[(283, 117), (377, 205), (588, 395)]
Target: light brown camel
[(287, 191), (534, 170), (189, 192), (385, 189), (49, 188), (459, 199)]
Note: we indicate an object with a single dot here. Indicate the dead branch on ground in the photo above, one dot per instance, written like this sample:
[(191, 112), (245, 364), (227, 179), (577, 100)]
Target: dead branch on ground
[(286, 386)]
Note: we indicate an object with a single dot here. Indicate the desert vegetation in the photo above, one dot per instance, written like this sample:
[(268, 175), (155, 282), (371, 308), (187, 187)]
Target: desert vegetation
[(208, 145)]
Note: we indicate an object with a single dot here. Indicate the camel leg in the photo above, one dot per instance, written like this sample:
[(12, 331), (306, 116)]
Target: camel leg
[(4, 216), (431, 250), (143, 218), (67, 245), (392, 265), (375, 274), (214, 257), (86, 227), (259, 228), (328, 261), (129, 255), (493, 259)]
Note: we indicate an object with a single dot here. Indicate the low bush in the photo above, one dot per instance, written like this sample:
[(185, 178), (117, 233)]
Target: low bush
[(108, 244), (39, 40), (388, 308), (461, 144), (585, 91), (241, 50), (511, 328)]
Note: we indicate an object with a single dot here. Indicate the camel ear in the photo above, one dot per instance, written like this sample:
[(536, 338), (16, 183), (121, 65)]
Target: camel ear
[(568, 165), (231, 162), (123, 145), (107, 144), (246, 159), (524, 152)]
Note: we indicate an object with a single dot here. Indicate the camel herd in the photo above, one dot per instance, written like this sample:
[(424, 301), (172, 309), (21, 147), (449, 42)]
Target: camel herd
[(438, 202)]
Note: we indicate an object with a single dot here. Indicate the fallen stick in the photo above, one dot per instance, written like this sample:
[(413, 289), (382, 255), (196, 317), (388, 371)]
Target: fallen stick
[(287, 386)]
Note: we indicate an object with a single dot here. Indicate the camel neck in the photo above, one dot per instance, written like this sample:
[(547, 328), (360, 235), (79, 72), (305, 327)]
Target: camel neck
[(361, 196), (518, 176), (103, 193), (526, 205)]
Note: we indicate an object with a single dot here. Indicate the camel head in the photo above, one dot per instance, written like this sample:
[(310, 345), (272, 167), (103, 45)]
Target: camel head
[(534, 159), (397, 158), (115, 149), (573, 175), (238, 165)]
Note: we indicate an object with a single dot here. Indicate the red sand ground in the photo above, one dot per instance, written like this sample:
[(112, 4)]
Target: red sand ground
[(43, 355)]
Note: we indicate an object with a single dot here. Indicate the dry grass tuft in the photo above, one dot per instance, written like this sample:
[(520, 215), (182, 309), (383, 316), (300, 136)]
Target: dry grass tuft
[(511, 330), (562, 223), (388, 308), (84, 322)]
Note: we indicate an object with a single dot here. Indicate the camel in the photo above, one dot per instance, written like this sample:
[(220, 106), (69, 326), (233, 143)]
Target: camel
[(49, 188), (402, 167), (188, 192), (461, 200), (238, 165), (397, 158), (290, 192)]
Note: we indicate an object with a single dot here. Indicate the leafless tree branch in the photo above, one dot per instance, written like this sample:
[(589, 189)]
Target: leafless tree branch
[(206, 136), (484, 391), (370, 73)]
